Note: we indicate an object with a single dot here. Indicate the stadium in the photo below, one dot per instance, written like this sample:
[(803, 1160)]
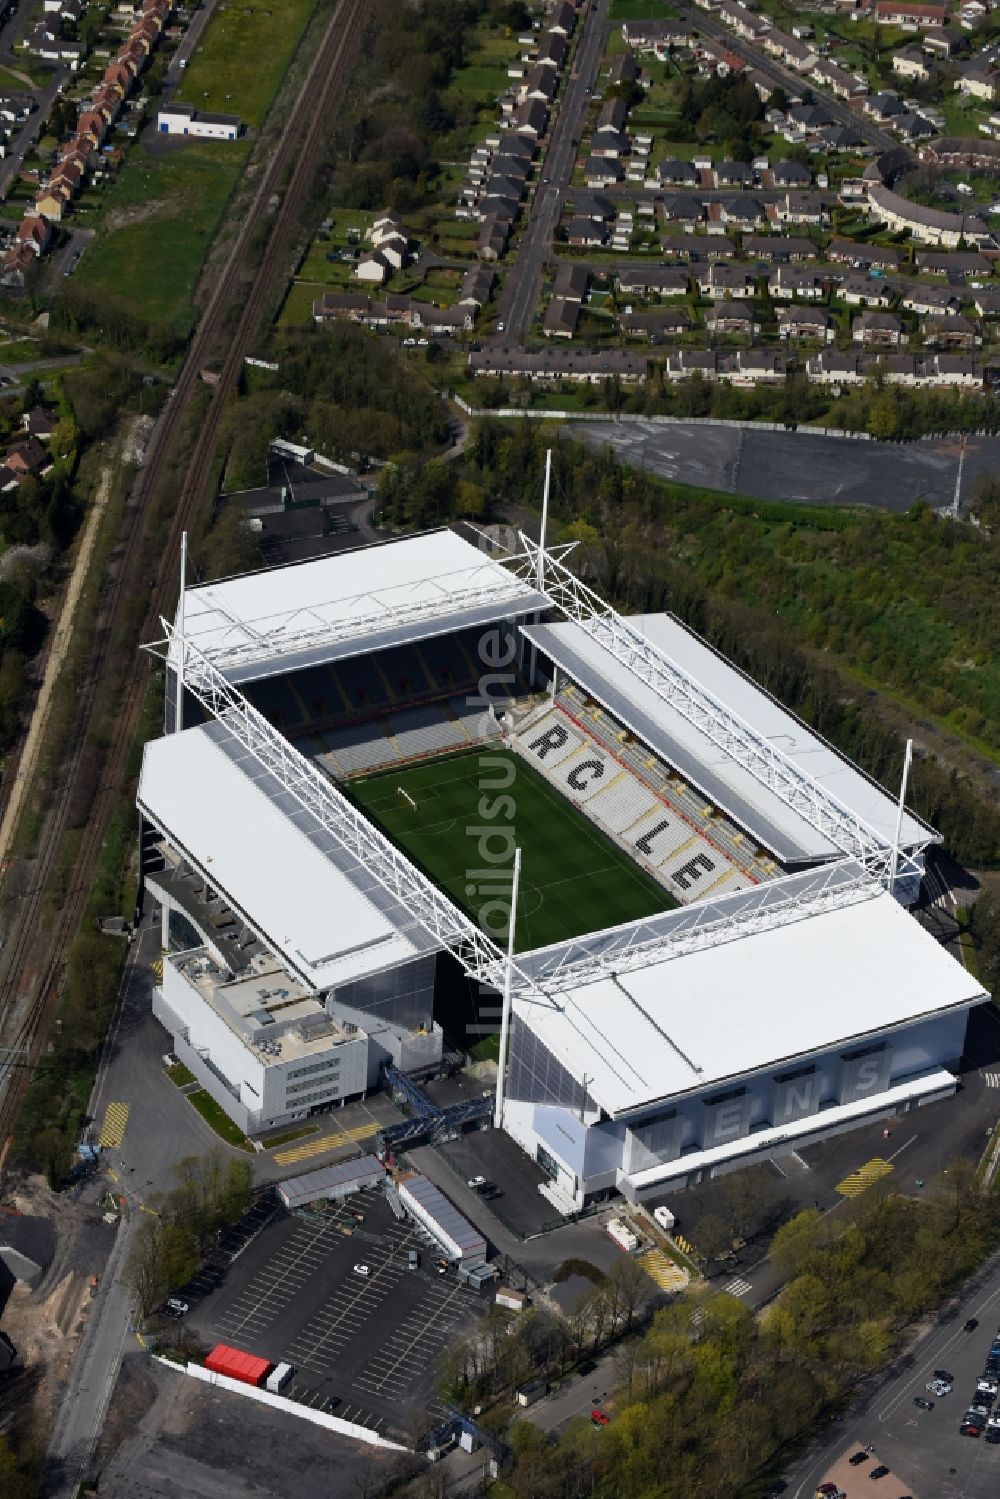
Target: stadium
[(712, 960)]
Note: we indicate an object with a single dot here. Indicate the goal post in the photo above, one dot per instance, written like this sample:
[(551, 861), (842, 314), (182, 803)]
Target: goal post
[(400, 791)]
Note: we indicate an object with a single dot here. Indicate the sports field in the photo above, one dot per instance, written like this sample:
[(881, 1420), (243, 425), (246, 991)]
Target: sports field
[(472, 809)]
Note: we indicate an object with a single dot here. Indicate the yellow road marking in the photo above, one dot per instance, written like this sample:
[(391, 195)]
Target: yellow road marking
[(157, 968), (113, 1129), (661, 1269), (327, 1142), (866, 1176)]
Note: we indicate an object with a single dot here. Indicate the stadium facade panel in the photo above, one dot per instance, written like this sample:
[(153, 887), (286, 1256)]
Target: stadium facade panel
[(766, 1009)]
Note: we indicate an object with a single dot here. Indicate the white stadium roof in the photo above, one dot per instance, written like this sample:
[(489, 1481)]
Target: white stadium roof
[(684, 1023), (288, 618), (782, 828), (307, 899)]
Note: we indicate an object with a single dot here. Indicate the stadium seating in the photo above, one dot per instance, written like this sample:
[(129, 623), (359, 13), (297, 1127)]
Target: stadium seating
[(661, 835), (476, 721), (623, 803), (550, 740), (277, 702), (584, 773), (424, 731), (362, 746)]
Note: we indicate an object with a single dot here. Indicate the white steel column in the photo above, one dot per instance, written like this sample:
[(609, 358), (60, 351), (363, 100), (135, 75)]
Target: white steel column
[(540, 559), (897, 835), (507, 988), (179, 701)]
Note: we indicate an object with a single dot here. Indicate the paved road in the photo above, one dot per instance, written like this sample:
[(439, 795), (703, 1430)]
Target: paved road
[(799, 466), (521, 288)]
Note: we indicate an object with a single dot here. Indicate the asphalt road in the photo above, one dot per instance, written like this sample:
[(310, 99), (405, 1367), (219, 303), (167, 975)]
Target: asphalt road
[(521, 289), (799, 466)]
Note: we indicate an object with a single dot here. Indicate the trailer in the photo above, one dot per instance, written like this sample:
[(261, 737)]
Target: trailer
[(622, 1234), (236, 1364)]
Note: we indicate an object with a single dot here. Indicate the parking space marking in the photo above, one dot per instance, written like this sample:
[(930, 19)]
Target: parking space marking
[(417, 1333), (289, 1270)]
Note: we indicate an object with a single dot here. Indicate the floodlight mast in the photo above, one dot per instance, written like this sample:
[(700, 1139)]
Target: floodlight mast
[(540, 567), (179, 703), (901, 807), (508, 984)]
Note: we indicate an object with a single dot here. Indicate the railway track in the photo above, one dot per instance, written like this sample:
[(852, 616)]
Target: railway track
[(25, 1020)]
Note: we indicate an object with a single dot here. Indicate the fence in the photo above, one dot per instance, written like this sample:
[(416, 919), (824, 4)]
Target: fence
[(290, 1407)]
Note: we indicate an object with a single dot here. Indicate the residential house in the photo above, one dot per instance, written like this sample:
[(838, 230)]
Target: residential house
[(804, 322), (909, 13), (787, 281), (561, 318), (674, 173), (571, 283), (39, 421), (603, 171), (696, 247), (881, 330), (493, 237), (654, 280), (559, 364), (375, 267), (910, 62), (584, 233), (928, 300), (541, 83), (865, 291), (978, 79), (793, 174), (942, 262), (756, 367), (624, 70), (27, 457), (858, 254), (779, 247), (731, 318), (845, 85), (340, 306), (683, 208), (531, 119), (829, 368), (562, 20), (742, 211), (688, 363), (724, 280), (801, 208), (944, 43), (477, 286), (653, 323), (35, 232), (883, 107), (552, 50), (734, 174), (954, 332)]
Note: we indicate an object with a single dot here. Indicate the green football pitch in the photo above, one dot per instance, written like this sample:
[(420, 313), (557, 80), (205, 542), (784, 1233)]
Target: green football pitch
[(471, 809)]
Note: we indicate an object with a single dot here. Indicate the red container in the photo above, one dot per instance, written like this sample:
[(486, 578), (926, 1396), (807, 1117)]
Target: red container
[(237, 1364)]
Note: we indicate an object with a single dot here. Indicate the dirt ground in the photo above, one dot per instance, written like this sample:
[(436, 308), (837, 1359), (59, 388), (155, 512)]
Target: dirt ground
[(45, 1323)]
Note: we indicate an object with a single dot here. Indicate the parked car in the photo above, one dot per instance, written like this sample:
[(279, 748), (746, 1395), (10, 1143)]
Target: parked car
[(475, 1182), (176, 1307), (598, 1418), (938, 1387), (859, 1457), (970, 1325), (880, 1472), (362, 1269), (970, 1429), (944, 1374), (925, 1405)]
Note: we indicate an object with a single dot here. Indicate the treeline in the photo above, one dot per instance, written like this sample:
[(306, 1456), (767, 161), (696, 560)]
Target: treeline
[(813, 605), (728, 110), (887, 412), (343, 387), (407, 106), (211, 1192), (707, 1406), (97, 315)]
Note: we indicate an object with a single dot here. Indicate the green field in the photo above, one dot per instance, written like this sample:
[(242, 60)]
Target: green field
[(573, 878), (156, 226), (243, 56)]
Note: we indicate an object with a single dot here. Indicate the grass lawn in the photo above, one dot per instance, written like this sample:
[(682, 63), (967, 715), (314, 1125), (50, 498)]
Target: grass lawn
[(573, 878), (180, 1075), (640, 10), (157, 223), (218, 1120), (243, 56), (12, 80), (297, 306)]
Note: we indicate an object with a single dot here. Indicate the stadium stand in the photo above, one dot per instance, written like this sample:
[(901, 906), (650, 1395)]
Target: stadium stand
[(669, 786), (361, 746), (475, 720), (690, 847), (424, 731)]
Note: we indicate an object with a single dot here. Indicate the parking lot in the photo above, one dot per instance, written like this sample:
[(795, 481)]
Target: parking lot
[(363, 1345)]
